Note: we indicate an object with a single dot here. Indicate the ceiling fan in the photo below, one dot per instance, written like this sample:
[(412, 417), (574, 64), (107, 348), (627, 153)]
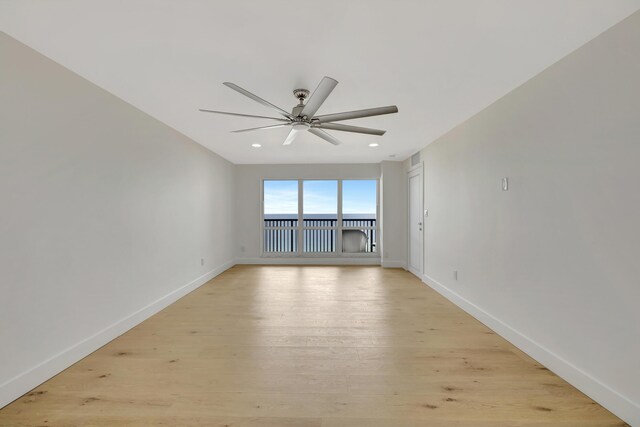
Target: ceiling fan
[(303, 118)]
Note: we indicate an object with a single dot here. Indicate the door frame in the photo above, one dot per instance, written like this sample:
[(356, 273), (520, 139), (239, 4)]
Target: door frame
[(414, 171)]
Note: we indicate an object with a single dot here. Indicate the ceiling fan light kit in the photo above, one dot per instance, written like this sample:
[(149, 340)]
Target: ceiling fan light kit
[(302, 117)]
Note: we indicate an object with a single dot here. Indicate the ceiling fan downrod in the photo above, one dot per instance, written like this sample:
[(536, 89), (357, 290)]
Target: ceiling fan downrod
[(302, 95)]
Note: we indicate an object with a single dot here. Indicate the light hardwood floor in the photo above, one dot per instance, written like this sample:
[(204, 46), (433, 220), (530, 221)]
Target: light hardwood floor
[(284, 346)]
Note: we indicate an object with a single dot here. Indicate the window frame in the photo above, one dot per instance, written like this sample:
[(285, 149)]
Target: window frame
[(337, 253)]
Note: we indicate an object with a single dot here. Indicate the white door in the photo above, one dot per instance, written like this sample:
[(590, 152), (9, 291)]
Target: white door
[(415, 222)]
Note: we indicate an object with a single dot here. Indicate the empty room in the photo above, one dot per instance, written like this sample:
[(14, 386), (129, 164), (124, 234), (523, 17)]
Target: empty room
[(355, 213)]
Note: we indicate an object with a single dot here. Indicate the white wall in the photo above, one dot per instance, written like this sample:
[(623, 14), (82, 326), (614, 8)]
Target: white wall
[(553, 264), (248, 181), (104, 212), (393, 207)]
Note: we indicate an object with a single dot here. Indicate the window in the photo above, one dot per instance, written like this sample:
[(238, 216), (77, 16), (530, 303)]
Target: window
[(320, 217), (280, 219), (359, 222)]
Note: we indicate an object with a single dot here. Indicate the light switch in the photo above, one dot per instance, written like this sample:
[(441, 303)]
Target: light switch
[(505, 184), (426, 212)]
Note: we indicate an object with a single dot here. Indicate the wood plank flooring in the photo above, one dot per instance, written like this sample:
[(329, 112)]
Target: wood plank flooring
[(308, 346)]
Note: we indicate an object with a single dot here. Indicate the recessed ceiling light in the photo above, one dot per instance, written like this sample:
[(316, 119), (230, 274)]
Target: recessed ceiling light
[(256, 145), (373, 144)]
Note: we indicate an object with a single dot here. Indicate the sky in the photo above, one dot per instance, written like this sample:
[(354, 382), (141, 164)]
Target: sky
[(320, 197)]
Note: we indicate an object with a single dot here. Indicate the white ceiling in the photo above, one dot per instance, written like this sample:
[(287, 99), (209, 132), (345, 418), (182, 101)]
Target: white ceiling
[(439, 61)]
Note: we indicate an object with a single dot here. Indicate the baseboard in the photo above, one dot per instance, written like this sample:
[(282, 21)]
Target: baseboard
[(392, 263), (414, 272), (22, 383), (615, 402), (310, 261)]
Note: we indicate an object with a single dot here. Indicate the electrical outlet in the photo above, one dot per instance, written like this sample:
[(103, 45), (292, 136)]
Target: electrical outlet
[(455, 274), (201, 261), (241, 248)]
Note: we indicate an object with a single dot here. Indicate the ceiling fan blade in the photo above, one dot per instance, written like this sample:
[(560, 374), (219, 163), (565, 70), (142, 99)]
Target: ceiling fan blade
[(322, 134), (292, 135), (256, 98), (262, 127), (242, 115), (336, 117), (347, 128), (322, 92)]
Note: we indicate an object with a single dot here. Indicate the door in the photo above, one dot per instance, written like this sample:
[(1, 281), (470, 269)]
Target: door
[(415, 258)]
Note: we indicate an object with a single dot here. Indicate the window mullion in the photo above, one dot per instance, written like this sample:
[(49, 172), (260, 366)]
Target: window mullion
[(300, 216), (339, 225), (377, 228)]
